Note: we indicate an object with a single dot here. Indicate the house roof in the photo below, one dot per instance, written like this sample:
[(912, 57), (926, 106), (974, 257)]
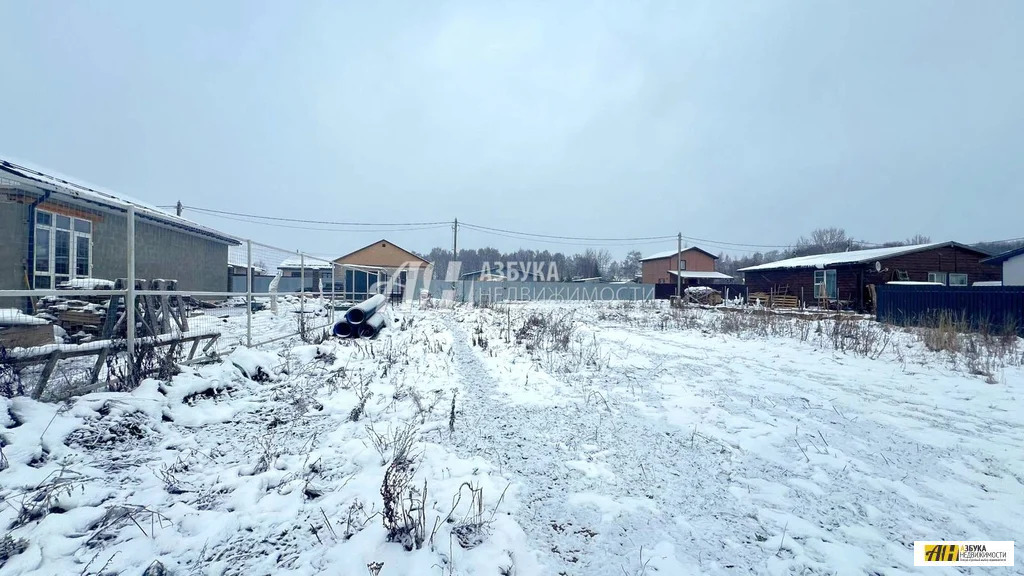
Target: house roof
[(699, 274), (371, 244), (21, 175), (1000, 258), (854, 256), (671, 253), (308, 263)]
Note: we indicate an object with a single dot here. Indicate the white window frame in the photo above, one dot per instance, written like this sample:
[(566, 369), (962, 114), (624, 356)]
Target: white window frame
[(958, 275), (825, 285), (940, 277), (74, 235)]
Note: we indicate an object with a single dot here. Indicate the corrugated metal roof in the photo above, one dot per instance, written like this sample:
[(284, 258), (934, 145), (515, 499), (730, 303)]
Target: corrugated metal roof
[(660, 255), (65, 186), (700, 274), (1000, 258), (852, 257)]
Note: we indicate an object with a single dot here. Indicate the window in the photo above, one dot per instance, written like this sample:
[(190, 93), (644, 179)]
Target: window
[(825, 285), (682, 264), (958, 279), (939, 277), (63, 249)]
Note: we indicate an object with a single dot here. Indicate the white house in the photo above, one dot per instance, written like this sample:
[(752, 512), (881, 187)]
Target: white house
[(1013, 266)]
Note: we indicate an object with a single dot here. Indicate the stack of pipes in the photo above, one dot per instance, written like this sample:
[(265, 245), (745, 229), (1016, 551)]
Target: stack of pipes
[(364, 320)]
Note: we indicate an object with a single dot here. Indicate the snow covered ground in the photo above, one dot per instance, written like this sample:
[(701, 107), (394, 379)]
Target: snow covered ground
[(604, 438)]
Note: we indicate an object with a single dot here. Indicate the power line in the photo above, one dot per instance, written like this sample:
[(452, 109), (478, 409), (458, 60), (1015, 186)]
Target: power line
[(307, 221), (565, 242), (315, 228), (479, 227)]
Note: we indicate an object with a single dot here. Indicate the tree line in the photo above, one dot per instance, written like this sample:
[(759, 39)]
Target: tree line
[(590, 263), (599, 263)]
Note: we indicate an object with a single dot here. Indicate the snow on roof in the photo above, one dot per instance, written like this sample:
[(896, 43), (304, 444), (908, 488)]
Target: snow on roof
[(660, 255), (988, 283), (851, 257), (700, 274), (54, 182), (308, 263), (914, 283)]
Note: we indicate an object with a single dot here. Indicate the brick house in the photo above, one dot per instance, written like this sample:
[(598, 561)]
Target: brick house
[(53, 230), (698, 268), (844, 277), (375, 264)]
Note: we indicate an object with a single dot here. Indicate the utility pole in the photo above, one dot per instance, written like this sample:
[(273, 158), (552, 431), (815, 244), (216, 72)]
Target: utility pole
[(679, 268), (179, 208), (455, 254)]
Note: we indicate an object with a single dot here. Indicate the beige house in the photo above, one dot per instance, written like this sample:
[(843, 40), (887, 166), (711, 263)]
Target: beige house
[(365, 271)]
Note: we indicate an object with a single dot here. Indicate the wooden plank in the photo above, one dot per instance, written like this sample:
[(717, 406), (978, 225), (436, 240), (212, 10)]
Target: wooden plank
[(44, 377), (27, 336), (101, 359), (192, 351)]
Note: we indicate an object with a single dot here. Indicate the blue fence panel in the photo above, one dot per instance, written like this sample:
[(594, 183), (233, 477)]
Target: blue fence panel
[(996, 307)]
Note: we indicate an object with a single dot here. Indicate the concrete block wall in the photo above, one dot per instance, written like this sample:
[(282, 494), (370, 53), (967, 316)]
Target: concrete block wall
[(197, 263)]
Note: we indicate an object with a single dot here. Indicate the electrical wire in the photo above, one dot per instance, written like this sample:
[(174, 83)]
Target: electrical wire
[(304, 220), (315, 228)]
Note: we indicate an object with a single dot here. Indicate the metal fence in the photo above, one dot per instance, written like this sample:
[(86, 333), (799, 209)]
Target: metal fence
[(87, 281), (480, 292), (998, 308)]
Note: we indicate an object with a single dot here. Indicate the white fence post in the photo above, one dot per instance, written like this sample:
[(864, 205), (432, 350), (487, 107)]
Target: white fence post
[(248, 294), (129, 296)]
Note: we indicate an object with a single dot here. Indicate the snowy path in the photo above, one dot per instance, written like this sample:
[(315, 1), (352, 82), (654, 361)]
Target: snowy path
[(599, 484)]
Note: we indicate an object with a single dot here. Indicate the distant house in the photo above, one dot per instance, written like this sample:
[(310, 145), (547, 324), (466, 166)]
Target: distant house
[(313, 275), (845, 276), (375, 264), (697, 267), (1012, 263), (53, 231), (238, 262)]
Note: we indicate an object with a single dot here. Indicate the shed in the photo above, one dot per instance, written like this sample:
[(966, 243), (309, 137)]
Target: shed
[(844, 277)]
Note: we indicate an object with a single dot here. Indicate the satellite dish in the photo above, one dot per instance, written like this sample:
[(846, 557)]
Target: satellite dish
[(878, 266)]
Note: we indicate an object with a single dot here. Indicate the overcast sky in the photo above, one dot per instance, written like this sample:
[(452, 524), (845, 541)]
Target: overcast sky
[(745, 122)]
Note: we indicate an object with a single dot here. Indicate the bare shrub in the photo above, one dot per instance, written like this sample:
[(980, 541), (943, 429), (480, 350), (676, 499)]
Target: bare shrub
[(11, 547), (356, 518), (363, 394), (120, 515), (43, 499), (404, 513), (398, 442)]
